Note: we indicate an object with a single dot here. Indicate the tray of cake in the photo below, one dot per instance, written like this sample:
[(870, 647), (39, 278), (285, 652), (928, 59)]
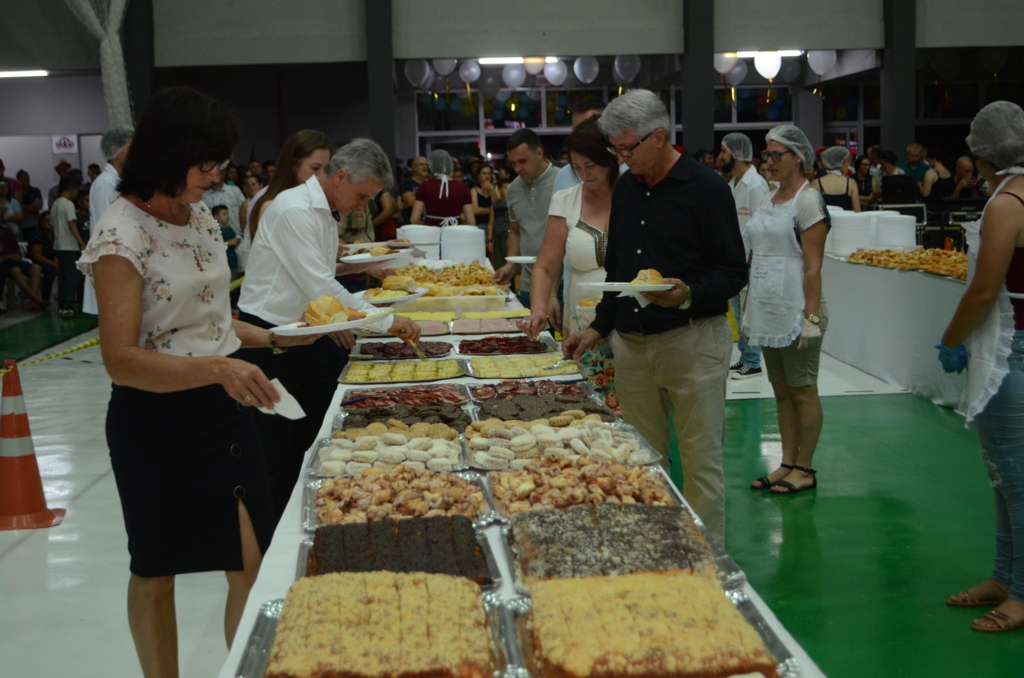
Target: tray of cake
[(674, 623), (517, 366), (399, 371), (437, 545), (508, 346), (534, 408), (379, 625), (399, 350), (396, 493)]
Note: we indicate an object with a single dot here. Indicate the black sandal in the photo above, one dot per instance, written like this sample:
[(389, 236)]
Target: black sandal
[(765, 483), (793, 489)]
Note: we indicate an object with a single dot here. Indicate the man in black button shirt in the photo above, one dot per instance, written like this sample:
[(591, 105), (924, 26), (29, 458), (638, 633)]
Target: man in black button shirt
[(672, 348)]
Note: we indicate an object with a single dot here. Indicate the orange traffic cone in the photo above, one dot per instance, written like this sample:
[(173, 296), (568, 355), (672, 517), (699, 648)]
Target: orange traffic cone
[(22, 503)]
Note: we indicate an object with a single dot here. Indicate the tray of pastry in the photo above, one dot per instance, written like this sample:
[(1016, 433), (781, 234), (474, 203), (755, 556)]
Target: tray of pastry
[(400, 371), (536, 408), (674, 623), (350, 457), (438, 545), (403, 417), (381, 624), (360, 398), (393, 494), (516, 366), (502, 445), (399, 350), (508, 346)]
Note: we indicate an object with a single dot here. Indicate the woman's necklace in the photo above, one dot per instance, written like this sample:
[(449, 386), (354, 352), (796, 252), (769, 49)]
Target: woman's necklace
[(182, 205)]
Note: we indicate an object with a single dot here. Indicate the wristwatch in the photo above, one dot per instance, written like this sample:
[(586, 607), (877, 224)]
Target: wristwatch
[(278, 350), (686, 304), (814, 319)]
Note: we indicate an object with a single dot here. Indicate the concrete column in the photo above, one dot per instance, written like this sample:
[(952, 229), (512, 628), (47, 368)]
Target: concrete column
[(898, 84), (808, 114), (380, 68), (698, 113), (137, 44)]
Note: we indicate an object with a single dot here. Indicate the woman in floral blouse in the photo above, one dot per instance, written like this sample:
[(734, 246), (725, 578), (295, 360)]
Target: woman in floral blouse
[(183, 445)]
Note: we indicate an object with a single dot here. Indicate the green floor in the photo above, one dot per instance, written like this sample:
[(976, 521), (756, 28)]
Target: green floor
[(38, 333), (858, 570)]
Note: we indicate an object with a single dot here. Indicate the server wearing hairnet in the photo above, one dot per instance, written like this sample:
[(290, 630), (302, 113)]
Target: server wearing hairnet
[(986, 336), (835, 186), (748, 191), (442, 201), (785, 312)]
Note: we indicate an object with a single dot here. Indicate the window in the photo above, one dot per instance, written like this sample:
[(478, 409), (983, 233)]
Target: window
[(761, 104), (516, 110), (447, 112), (841, 103), (949, 101)]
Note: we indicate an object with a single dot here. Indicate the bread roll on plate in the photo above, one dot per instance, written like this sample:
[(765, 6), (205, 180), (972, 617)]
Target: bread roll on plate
[(402, 283), (648, 276)]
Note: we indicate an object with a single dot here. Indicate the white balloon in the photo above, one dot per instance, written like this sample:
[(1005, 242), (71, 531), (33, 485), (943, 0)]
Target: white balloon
[(738, 73), (445, 66), (514, 75), (992, 59), (768, 64), (533, 67), (416, 71), (790, 70), (432, 82), (586, 69), (821, 61), (724, 64), (469, 71), (627, 66), (556, 72), (502, 95)]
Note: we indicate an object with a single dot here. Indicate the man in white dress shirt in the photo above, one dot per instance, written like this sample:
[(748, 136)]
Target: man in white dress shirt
[(293, 261), (748, 191), (114, 145)]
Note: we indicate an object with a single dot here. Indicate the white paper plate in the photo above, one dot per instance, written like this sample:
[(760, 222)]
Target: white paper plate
[(416, 243), (301, 329), (397, 301), (367, 259), (624, 289), (360, 246), (522, 260)]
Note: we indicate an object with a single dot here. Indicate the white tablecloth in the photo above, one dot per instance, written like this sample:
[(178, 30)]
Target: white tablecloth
[(886, 322), (280, 563)]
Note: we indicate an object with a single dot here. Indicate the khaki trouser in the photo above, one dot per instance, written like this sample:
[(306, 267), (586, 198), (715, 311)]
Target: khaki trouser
[(685, 371)]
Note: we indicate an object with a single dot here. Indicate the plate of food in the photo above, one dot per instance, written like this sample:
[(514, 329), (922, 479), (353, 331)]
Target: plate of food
[(406, 244), (522, 260), (368, 257), (648, 280), (395, 289), (362, 246), (327, 314)]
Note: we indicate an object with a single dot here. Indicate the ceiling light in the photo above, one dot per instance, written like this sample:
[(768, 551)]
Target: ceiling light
[(753, 55), (23, 74), (790, 52)]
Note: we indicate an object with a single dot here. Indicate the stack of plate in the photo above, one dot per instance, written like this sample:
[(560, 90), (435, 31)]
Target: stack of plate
[(896, 230), (833, 211), (850, 232), (463, 243), (419, 233)]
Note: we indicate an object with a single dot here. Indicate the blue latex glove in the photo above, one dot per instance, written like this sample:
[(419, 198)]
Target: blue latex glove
[(952, 359)]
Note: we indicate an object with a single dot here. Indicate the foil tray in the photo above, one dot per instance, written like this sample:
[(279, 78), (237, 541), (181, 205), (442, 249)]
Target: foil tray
[(545, 338), (349, 392), (370, 384)]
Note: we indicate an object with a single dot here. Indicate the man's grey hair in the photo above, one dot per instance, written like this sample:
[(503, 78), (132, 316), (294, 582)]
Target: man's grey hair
[(362, 159), (640, 111), (115, 140)]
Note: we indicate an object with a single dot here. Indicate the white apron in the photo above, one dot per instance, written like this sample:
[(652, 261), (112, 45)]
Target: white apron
[(989, 344), (442, 193), (774, 314)]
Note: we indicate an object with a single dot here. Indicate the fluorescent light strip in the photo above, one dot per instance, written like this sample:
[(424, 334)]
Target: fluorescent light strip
[(781, 53), (23, 74), (498, 61)]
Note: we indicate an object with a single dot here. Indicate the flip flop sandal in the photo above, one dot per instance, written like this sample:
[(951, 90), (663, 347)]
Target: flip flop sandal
[(1003, 622), (793, 489), (973, 600), (765, 482)]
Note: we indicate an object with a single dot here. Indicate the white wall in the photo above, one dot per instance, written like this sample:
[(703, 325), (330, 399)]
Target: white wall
[(746, 25), (470, 28), (951, 23), (53, 105), (231, 32)]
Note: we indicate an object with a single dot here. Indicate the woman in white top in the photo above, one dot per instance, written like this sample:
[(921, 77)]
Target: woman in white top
[(578, 228), (785, 313), (183, 445)]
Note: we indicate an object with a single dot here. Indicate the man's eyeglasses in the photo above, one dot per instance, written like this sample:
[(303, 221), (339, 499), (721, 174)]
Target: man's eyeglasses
[(628, 152), (209, 165), (774, 155)]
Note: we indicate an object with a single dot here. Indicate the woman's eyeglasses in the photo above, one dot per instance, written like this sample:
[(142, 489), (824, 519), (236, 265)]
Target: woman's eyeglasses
[(774, 156), (628, 152), (209, 165)]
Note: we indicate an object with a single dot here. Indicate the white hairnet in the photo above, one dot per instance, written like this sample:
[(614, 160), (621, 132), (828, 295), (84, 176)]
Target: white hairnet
[(739, 146), (795, 140), (997, 134), (440, 162), (832, 158)]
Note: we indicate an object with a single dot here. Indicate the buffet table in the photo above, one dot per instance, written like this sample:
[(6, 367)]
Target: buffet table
[(886, 322), (280, 563)]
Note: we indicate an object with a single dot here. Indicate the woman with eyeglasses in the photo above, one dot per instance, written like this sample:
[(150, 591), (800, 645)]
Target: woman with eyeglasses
[(183, 445), (868, 189), (785, 313)]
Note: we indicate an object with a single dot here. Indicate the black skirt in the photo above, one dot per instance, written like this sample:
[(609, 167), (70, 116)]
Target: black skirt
[(182, 462)]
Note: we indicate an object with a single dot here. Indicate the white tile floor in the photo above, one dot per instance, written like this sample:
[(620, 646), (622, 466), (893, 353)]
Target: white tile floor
[(62, 590)]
